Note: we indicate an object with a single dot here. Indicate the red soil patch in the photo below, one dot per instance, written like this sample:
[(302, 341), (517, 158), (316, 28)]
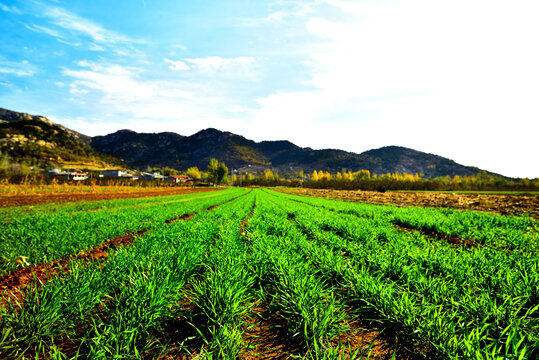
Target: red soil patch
[(181, 217), (40, 198), (365, 342), (265, 337)]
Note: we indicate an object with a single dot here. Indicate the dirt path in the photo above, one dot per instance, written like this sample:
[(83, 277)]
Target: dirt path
[(40, 198), (504, 204)]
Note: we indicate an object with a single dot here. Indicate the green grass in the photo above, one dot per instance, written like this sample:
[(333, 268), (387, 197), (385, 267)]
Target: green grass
[(47, 232), (194, 286)]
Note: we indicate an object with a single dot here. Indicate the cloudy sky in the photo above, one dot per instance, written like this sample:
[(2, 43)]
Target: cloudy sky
[(455, 78)]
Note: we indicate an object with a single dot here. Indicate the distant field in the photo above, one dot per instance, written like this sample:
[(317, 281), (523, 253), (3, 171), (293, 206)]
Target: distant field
[(259, 274), (504, 203), (487, 192), (17, 195)]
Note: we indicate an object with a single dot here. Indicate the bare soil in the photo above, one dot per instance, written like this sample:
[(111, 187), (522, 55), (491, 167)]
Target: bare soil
[(265, 337), (504, 204), (455, 241), (34, 198)]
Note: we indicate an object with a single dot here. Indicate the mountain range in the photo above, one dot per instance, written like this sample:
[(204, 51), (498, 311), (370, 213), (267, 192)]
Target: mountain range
[(142, 150)]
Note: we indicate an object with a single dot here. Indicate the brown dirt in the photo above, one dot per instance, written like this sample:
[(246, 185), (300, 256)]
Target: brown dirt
[(179, 332), (504, 204), (455, 241), (265, 337), (181, 217), (367, 342), (34, 198)]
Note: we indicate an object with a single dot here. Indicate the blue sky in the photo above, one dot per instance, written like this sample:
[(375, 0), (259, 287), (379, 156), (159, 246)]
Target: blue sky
[(459, 79)]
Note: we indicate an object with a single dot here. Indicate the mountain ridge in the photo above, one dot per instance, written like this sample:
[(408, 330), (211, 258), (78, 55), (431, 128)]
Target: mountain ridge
[(239, 152), (142, 150)]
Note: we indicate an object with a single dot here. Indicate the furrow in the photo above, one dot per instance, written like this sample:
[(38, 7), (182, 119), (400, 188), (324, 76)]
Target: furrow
[(12, 284)]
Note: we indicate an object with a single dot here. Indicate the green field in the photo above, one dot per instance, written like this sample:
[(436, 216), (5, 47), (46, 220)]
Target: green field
[(316, 273)]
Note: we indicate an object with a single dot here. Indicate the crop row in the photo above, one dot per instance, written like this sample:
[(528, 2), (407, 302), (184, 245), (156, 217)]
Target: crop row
[(42, 235), (130, 304), (497, 231), (447, 301), (309, 273)]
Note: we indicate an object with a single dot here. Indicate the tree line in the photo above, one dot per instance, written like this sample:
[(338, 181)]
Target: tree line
[(364, 180), (217, 173)]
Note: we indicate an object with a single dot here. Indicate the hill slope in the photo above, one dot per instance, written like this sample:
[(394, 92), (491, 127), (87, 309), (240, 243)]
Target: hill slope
[(173, 150), (38, 141)]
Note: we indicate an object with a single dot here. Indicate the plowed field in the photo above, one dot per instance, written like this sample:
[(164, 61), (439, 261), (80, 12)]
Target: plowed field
[(504, 204), (33, 198)]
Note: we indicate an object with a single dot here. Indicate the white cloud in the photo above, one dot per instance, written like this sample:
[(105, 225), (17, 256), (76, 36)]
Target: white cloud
[(10, 9), (17, 72), (71, 29), (117, 83), (177, 65), (43, 29), (287, 10), (236, 109), (24, 68), (95, 47), (459, 79), (180, 46), (69, 43), (77, 91), (149, 105), (219, 63), (80, 25)]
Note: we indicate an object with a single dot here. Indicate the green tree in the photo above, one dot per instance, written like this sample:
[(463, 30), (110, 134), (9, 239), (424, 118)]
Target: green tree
[(268, 175), (167, 171), (222, 174), (217, 172), (193, 173), (212, 170)]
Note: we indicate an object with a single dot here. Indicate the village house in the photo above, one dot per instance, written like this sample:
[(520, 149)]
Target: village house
[(114, 173), (177, 178), (151, 176), (67, 175)]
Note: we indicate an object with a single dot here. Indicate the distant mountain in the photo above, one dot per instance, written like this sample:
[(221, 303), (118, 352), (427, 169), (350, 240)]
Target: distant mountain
[(12, 116), (38, 141), (177, 151)]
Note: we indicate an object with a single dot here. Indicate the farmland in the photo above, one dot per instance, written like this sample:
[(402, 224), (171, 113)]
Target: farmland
[(18, 195), (255, 273)]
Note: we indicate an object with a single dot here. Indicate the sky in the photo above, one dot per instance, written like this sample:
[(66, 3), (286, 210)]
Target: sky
[(459, 78)]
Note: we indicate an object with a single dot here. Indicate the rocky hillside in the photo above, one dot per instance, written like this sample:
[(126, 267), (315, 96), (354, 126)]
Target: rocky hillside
[(38, 141), (177, 151)]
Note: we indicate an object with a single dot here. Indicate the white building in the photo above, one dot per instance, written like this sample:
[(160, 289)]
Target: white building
[(114, 173)]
